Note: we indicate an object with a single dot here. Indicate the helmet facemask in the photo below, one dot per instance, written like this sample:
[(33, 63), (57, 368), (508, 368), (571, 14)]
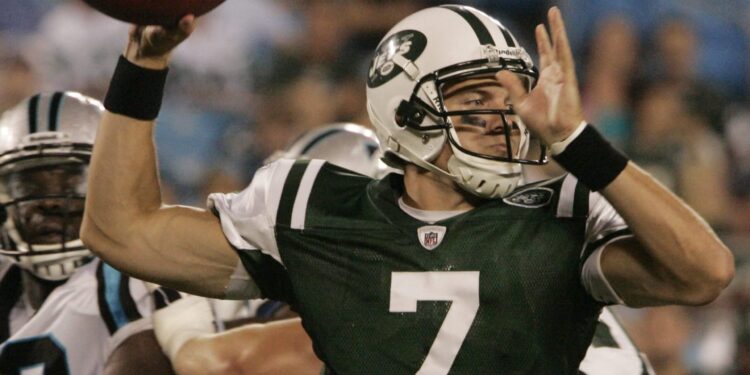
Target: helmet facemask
[(44, 202), (469, 103)]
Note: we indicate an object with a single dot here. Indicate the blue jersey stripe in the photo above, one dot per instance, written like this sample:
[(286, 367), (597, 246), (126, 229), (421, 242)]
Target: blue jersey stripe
[(112, 295)]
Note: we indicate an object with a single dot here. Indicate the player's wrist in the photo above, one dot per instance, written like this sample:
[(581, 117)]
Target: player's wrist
[(136, 91), (558, 147), (153, 63), (589, 157)]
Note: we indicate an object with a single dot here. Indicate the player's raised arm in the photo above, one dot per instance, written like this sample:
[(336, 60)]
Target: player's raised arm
[(125, 222), (675, 257)]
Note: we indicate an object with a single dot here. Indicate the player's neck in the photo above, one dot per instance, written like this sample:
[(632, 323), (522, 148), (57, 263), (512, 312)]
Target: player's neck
[(36, 290), (429, 191)]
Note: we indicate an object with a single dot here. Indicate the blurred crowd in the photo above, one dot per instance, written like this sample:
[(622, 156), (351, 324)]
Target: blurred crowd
[(664, 80)]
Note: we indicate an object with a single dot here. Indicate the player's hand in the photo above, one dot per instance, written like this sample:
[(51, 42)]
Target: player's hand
[(150, 46), (552, 110)]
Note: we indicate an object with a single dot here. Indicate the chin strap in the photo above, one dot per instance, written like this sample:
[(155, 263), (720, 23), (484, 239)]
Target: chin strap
[(475, 175), (482, 178)]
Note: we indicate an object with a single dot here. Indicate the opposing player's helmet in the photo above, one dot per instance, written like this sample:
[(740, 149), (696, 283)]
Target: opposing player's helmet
[(415, 62), (45, 147), (347, 145)]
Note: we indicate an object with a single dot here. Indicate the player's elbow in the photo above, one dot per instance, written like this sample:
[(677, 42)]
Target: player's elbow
[(714, 278), (96, 239), (90, 235)]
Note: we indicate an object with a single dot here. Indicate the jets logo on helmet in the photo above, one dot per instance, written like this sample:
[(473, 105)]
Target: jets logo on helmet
[(44, 153), (395, 55), (406, 100)]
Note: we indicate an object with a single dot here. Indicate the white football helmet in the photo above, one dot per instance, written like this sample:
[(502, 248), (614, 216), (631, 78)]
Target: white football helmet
[(45, 147), (347, 145), (421, 56)]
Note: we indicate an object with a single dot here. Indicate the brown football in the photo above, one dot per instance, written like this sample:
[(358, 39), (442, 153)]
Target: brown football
[(153, 12)]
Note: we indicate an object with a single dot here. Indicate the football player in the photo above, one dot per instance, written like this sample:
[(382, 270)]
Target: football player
[(185, 328), (429, 272), (62, 310)]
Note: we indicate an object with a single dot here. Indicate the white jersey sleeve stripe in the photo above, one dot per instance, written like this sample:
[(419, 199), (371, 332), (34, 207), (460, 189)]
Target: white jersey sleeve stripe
[(299, 210), (248, 217), (595, 282), (602, 220), (567, 196)]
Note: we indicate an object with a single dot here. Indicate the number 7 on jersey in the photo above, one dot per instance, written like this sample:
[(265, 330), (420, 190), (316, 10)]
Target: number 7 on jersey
[(461, 288)]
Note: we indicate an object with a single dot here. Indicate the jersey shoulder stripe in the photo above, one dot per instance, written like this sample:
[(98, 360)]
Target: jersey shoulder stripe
[(10, 292), (319, 187), (116, 303), (574, 198), (289, 192), (295, 195)]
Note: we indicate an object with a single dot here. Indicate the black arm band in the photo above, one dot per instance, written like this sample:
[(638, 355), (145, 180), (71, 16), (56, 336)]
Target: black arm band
[(592, 159), (135, 91)]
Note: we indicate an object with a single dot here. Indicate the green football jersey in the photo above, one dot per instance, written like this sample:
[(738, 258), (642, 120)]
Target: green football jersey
[(495, 290)]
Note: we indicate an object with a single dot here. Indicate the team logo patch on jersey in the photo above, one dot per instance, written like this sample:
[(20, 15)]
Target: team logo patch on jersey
[(431, 236), (531, 198), (400, 48)]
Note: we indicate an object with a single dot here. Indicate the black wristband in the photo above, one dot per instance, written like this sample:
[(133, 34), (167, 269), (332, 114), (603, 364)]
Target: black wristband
[(135, 91), (592, 159)]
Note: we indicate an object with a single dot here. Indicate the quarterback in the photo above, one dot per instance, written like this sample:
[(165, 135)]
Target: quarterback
[(186, 332), (447, 268), (63, 311)]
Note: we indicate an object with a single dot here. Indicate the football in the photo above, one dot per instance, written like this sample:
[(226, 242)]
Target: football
[(153, 12)]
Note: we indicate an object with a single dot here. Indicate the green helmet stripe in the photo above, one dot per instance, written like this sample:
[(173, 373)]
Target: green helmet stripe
[(476, 24)]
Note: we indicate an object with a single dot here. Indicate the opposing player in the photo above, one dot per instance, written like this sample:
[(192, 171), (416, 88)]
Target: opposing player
[(62, 310), (435, 274)]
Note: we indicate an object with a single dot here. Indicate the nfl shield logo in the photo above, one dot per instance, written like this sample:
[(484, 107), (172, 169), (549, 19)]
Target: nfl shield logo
[(431, 236), (430, 239)]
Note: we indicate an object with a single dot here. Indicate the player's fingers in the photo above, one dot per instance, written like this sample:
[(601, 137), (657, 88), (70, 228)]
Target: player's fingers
[(561, 44), (543, 45), (134, 33), (186, 25), (134, 40), (514, 86), (169, 37)]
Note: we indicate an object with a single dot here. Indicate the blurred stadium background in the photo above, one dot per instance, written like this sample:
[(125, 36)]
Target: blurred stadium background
[(665, 80)]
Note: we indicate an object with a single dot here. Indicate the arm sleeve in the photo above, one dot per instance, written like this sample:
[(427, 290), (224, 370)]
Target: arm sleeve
[(248, 220), (603, 226)]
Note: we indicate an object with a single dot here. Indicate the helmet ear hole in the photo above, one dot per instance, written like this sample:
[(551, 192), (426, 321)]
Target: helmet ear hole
[(407, 114)]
